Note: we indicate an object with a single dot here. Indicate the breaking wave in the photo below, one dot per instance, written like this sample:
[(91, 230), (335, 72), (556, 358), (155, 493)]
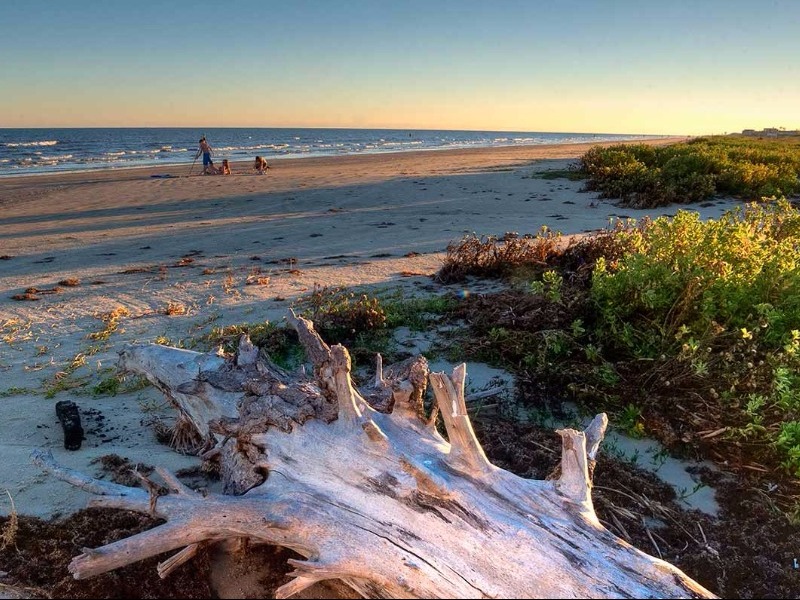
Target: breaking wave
[(30, 144)]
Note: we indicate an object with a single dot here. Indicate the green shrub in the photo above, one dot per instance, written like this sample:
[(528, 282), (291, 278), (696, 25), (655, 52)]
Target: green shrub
[(340, 315), (715, 303), (646, 176), (685, 328), (365, 323), (741, 271)]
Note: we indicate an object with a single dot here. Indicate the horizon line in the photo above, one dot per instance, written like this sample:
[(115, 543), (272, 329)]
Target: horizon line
[(336, 127)]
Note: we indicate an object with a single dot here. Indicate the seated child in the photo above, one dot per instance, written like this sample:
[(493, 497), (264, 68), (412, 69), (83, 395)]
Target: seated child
[(261, 165), (223, 170)]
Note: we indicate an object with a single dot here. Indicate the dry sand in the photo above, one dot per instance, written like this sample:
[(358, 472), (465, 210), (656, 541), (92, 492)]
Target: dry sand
[(142, 242)]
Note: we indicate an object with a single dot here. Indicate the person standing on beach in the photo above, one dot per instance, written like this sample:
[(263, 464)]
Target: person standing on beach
[(206, 151)]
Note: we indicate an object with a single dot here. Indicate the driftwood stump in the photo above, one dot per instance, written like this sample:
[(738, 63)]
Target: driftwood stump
[(361, 483)]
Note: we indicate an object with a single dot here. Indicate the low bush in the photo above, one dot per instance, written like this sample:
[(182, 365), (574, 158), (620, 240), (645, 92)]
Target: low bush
[(716, 304), (490, 256), (645, 176), (692, 325)]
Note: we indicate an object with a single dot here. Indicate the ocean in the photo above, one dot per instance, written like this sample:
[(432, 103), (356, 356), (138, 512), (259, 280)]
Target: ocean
[(37, 151)]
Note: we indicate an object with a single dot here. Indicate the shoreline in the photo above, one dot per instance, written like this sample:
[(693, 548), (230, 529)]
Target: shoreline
[(158, 169), (95, 158)]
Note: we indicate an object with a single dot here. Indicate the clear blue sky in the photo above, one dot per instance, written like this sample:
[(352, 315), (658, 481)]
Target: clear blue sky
[(626, 66)]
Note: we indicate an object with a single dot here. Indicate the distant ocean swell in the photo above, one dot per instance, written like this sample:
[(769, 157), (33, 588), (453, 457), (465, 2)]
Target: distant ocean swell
[(36, 151)]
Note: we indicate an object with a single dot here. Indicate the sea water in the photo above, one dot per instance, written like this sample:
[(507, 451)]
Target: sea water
[(36, 151)]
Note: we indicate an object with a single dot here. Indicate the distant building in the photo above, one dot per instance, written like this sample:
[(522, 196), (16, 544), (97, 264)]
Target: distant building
[(771, 132)]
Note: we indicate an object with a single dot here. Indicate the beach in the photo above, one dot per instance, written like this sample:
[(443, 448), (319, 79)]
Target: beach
[(174, 257), (107, 258)]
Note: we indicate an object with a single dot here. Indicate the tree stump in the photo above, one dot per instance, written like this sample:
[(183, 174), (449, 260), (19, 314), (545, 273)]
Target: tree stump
[(361, 484)]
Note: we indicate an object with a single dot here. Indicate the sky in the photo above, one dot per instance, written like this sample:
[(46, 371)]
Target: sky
[(639, 66)]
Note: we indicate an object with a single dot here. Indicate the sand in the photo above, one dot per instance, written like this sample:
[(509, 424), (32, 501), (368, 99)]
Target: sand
[(222, 250)]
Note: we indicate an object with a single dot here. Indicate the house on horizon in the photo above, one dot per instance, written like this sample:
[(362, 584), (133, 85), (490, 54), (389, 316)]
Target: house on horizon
[(771, 132)]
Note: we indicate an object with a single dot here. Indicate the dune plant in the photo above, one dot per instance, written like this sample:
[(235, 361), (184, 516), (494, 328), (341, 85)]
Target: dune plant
[(690, 326), (492, 256), (693, 279), (715, 305), (647, 176)]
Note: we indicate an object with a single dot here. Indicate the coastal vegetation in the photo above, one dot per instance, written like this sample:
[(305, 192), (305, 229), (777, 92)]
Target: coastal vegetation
[(685, 330), (363, 322), (644, 176)]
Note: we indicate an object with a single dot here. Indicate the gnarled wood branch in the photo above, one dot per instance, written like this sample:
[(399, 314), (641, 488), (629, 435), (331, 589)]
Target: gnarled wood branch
[(360, 483)]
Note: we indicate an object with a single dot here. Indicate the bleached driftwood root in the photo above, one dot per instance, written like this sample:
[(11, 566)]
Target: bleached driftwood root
[(375, 498)]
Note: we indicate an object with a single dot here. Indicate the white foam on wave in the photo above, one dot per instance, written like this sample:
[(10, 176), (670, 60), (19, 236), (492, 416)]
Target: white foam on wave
[(401, 144), (29, 144), (255, 147)]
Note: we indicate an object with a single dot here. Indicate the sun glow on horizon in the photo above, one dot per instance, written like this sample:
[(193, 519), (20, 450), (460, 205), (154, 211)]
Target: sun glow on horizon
[(680, 69)]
